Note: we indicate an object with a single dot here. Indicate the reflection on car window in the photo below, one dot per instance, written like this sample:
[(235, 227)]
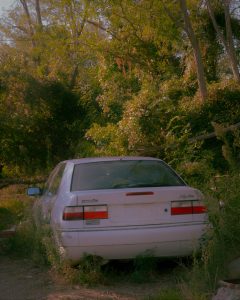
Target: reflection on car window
[(123, 174), (54, 180)]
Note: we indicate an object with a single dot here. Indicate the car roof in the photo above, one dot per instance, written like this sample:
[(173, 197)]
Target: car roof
[(108, 158)]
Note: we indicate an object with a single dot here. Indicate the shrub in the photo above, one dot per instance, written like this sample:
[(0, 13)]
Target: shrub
[(13, 207), (168, 294), (144, 268), (223, 97), (6, 218), (223, 241), (89, 270), (27, 242), (221, 244)]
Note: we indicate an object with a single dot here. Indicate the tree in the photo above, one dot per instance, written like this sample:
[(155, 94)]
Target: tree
[(188, 29), (196, 49), (47, 91), (228, 41), (29, 20)]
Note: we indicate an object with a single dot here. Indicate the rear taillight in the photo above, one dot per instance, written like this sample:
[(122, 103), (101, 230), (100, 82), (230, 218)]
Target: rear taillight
[(95, 212), (187, 207), (73, 213), (90, 212), (198, 207)]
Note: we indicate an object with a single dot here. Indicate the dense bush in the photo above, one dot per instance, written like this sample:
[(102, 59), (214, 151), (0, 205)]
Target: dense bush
[(6, 218), (222, 106), (223, 241)]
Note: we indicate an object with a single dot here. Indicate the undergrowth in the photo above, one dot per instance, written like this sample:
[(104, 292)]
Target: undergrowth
[(168, 294), (14, 206), (221, 243)]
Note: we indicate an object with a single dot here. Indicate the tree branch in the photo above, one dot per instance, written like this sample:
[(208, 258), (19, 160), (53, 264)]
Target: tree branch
[(215, 25), (213, 134)]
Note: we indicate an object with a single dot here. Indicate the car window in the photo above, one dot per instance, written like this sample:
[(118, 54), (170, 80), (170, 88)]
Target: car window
[(123, 174), (54, 180)]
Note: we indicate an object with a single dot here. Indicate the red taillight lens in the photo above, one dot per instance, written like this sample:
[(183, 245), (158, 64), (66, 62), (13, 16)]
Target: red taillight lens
[(95, 212), (85, 212), (73, 213), (199, 207), (187, 207)]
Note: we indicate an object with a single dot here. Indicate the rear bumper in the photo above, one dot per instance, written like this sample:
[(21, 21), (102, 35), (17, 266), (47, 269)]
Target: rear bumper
[(128, 242)]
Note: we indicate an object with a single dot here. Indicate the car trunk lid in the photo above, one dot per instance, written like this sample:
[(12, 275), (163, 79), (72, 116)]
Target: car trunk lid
[(139, 206)]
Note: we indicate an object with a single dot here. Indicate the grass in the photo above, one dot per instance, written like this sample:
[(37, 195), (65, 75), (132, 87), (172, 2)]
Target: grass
[(14, 205), (168, 294), (16, 209)]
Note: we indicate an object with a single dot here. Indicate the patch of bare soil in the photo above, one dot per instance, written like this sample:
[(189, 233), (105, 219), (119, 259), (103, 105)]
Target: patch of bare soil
[(22, 280)]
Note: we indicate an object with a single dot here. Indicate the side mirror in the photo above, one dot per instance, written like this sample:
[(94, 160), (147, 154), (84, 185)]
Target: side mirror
[(34, 191)]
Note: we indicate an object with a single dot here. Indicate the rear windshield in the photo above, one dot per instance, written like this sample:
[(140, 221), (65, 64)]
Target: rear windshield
[(123, 174)]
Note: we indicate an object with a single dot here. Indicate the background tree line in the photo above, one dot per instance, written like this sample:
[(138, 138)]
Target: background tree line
[(118, 77)]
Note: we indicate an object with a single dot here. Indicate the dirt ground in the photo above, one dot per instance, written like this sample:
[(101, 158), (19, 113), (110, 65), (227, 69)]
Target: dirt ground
[(22, 280)]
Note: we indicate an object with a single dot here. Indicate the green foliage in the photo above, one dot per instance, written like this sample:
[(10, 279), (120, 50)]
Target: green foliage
[(221, 108), (223, 97), (231, 145), (6, 218), (13, 209), (109, 78), (11, 171), (108, 140), (144, 268), (168, 294), (223, 242), (117, 88), (16, 209), (25, 242), (196, 172), (26, 140), (89, 271), (193, 284)]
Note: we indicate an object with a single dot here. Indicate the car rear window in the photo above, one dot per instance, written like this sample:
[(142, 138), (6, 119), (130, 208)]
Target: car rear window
[(123, 174)]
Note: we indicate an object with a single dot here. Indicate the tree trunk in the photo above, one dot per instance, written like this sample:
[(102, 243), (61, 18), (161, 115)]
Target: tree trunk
[(31, 30), (231, 49), (196, 50), (39, 16), (228, 42)]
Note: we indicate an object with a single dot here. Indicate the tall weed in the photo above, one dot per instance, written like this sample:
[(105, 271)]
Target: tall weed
[(144, 268), (15, 207), (221, 244), (168, 294)]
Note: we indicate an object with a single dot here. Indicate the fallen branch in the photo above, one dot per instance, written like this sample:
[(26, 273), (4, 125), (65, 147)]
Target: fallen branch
[(213, 134)]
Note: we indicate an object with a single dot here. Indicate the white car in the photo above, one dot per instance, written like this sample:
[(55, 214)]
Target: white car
[(121, 207)]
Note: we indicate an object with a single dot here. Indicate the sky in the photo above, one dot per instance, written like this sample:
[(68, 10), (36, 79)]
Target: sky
[(4, 4)]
